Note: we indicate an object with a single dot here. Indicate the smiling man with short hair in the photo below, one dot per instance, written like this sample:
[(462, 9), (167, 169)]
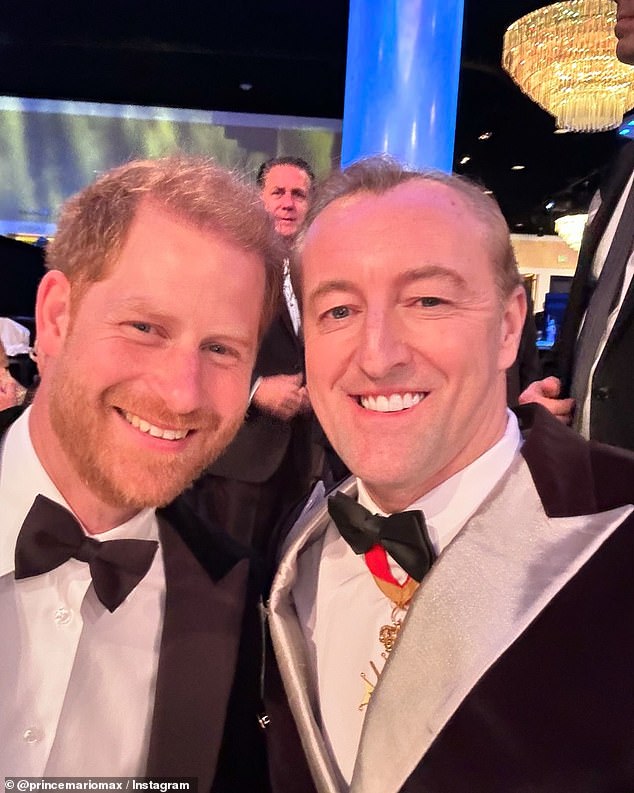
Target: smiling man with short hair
[(111, 609), (436, 621)]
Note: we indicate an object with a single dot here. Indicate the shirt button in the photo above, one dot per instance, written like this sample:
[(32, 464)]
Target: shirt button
[(32, 735), (62, 616)]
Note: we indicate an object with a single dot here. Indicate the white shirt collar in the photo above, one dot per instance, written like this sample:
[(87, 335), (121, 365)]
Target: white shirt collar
[(22, 478), (450, 505)]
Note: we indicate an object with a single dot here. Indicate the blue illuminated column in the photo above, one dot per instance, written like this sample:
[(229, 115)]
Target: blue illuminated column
[(402, 80)]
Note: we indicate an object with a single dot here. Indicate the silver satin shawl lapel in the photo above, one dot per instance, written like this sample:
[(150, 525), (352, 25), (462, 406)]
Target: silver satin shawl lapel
[(300, 557), (487, 586)]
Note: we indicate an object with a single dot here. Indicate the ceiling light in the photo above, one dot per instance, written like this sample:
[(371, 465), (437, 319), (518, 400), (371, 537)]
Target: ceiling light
[(570, 229), (517, 167), (465, 160), (485, 136), (563, 57)]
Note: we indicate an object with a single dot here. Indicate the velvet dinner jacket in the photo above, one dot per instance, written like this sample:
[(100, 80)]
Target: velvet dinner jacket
[(205, 710), (514, 669), (612, 387)]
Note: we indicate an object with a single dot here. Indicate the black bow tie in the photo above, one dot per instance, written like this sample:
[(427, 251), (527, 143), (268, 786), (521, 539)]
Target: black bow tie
[(403, 534), (51, 535)]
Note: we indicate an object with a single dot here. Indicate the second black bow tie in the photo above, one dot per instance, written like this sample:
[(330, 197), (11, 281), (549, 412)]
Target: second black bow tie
[(51, 535), (403, 534)]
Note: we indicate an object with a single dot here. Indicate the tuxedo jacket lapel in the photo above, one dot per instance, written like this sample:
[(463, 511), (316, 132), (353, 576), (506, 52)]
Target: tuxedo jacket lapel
[(198, 653), (8, 416), (207, 577), (287, 322), (610, 191), (612, 186), (301, 556), (483, 592), (623, 171)]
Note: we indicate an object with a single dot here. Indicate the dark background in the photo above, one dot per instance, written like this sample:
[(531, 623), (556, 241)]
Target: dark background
[(289, 58)]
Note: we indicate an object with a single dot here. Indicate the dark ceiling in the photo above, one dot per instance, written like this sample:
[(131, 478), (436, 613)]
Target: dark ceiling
[(190, 53)]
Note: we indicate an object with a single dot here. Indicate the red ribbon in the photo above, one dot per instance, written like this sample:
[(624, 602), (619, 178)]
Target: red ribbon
[(378, 565)]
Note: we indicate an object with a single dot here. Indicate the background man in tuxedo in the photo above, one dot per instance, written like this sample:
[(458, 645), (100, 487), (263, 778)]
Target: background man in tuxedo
[(594, 383), (272, 461), (412, 309), (285, 186), (160, 280)]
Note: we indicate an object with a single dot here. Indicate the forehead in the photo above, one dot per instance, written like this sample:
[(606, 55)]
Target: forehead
[(286, 176), (416, 223), (153, 227), (413, 201), (163, 243)]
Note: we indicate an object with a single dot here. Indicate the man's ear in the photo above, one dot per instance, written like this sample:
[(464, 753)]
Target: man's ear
[(513, 316), (52, 312)]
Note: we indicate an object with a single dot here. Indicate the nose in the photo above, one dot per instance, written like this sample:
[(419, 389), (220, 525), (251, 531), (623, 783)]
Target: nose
[(288, 200), (383, 349), (179, 381)]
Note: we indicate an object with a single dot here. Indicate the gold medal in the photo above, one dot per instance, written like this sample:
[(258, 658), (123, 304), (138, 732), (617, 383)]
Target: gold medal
[(401, 597)]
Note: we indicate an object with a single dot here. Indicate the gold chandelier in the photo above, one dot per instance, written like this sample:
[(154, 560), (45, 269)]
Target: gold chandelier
[(563, 57), (570, 228)]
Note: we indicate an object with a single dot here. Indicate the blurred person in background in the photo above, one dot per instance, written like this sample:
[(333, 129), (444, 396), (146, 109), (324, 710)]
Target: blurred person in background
[(592, 380), (11, 392), (279, 450)]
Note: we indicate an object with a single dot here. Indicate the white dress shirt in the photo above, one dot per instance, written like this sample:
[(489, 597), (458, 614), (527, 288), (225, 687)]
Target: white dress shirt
[(290, 297), (77, 683), (597, 265), (342, 625)]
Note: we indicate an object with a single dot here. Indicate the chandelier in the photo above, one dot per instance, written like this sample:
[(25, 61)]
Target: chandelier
[(563, 57), (570, 229)]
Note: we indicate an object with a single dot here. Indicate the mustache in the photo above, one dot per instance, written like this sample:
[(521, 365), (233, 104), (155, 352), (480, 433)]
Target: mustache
[(155, 411)]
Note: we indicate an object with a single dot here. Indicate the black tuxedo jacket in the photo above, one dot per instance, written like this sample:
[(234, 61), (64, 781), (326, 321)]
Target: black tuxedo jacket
[(555, 712), (207, 692), (261, 443), (612, 387)]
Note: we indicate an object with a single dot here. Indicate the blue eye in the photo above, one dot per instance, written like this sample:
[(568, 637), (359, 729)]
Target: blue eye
[(144, 327), (430, 302), (340, 312)]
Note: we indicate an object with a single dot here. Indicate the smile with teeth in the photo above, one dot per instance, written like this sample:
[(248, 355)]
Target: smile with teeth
[(392, 403), (151, 429)]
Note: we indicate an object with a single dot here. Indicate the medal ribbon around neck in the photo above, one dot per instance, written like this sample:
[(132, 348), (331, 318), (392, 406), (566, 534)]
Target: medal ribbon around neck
[(379, 566)]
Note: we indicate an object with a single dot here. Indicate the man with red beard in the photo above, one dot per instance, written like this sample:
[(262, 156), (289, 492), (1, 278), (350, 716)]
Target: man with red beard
[(121, 615)]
